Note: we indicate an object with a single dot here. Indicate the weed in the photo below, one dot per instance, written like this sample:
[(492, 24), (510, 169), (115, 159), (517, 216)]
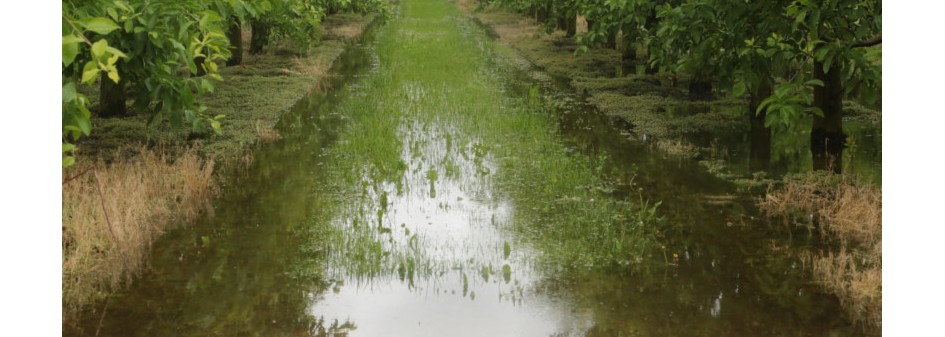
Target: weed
[(111, 216), (849, 211)]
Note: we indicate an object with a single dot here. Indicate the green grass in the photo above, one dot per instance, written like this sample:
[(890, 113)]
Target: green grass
[(435, 85)]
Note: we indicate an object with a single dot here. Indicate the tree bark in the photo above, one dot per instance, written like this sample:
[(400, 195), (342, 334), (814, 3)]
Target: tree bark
[(260, 37), (567, 21), (235, 35), (112, 98), (200, 69), (759, 156), (570, 24), (826, 134), (611, 40), (700, 88), (628, 52), (541, 13)]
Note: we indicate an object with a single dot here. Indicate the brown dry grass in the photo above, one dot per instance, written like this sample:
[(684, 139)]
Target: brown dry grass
[(141, 196), (850, 212)]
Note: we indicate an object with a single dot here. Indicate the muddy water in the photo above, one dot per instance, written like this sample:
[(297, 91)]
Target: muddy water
[(327, 235)]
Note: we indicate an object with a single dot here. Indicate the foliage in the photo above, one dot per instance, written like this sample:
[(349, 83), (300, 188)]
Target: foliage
[(631, 17), (154, 47), (747, 46), (163, 54), (828, 33), (98, 57), (299, 20)]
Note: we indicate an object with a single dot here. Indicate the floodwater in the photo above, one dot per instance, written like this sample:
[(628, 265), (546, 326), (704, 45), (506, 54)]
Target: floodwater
[(381, 211)]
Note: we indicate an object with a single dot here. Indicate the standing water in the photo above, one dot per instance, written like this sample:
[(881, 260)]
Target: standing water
[(428, 194)]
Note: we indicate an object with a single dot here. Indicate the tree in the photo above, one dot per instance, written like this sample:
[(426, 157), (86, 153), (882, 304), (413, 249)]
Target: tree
[(147, 49), (836, 34)]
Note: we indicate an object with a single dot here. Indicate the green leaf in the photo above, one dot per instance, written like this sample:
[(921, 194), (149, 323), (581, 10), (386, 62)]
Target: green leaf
[(112, 13), (98, 48), (66, 147), (68, 92), (814, 83), (113, 75), (70, 48), (68, 161), (821, 53), (115, 51), (99, 25), (818, 111), (739, 89), (206, 85), (85, 125), (111, 61), (89, 72)]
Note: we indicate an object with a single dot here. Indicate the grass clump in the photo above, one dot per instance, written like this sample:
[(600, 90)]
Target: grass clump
[(112, 213), (848, 212)]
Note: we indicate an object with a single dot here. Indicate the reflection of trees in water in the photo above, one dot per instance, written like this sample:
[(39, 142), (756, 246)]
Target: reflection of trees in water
[(740, 280)]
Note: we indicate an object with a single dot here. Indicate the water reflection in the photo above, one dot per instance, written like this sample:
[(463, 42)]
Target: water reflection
[(721, 271), (447, 265)]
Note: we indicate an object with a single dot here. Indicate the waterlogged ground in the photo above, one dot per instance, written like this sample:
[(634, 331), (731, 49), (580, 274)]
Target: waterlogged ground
[(434, 188)]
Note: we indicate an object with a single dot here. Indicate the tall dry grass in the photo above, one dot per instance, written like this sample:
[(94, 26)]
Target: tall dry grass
[(112, 213), (849, 212)]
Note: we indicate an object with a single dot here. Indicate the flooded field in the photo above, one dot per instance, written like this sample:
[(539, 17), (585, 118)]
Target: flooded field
[(434, 187)]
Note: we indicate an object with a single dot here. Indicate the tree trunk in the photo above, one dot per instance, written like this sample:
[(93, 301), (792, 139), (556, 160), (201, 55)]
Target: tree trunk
[(650, 24), (759, 157), (611, 40), (541, 14), (700, 88), (112, 98), (570, 24), (200, 69), (826, 134), (651, 69), (260, 37), (235, 35), (628, 52)]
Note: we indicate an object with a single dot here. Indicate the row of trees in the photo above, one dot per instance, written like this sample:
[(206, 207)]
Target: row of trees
[(789, 57), (161, 55)]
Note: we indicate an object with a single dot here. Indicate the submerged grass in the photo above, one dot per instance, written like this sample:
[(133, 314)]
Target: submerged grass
[(435, 83), (849, 212), (112, 213)]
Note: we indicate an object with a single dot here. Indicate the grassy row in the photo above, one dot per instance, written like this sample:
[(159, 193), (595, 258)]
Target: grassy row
[(435, 84)]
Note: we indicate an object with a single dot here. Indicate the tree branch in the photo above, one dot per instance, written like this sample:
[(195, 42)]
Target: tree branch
[(878, 39)]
